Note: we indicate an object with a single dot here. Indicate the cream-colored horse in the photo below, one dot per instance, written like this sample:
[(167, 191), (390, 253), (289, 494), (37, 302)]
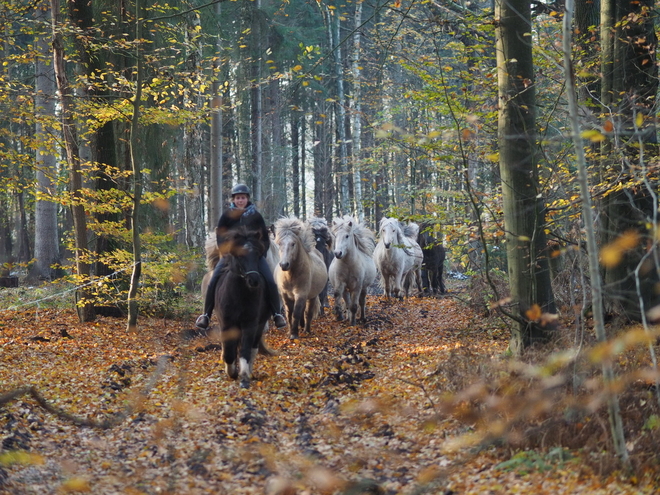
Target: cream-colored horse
[(398, 257), (301, 274), (352, 270)]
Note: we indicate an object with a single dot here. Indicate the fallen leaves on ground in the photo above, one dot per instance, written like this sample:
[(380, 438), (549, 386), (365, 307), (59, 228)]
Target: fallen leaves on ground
[(348, 409)]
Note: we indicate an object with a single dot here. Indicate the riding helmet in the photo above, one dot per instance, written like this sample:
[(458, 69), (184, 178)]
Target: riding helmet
[(240, 189)]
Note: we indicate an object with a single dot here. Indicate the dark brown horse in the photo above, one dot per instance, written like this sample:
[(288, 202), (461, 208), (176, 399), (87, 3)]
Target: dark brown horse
[(324, 241), (241, 304), (434, 260)]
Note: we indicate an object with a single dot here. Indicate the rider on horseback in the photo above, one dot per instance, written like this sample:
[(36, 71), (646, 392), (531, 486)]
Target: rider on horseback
[(242, 213)]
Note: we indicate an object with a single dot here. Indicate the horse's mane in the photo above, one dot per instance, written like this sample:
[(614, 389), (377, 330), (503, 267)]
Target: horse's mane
[(212, 252), (364, 238), (293, 225), (411, 230), (319, 226), (318, 223)]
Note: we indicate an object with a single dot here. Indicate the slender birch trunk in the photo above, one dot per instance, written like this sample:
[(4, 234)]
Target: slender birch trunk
[(137, 179)]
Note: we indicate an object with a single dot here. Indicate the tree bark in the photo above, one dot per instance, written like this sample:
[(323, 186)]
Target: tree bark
[(616, 422), (84, 305), (215, 181), (356, 109), (137, 180), (629, 46), (46, 234), (529, 277)]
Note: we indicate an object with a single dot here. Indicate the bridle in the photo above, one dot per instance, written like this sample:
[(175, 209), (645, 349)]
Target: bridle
[(240, 272)]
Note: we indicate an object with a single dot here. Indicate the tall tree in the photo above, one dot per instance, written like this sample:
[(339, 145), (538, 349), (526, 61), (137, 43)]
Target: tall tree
[(85, 306), (136, 169), (629, 91), (529, 276), (46, 232), (356, 109), (215, 165)]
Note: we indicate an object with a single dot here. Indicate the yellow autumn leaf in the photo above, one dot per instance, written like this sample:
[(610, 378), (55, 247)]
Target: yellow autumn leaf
[(76, 484), (639, 119), (593, 135), (20, 457), (297, 68), (611, 254)]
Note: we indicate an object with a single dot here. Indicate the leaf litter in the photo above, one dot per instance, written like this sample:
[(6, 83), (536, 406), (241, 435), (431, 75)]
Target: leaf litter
[(401, 405)]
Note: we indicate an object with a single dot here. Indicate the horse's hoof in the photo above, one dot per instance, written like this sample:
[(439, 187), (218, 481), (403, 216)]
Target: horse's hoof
[(245, 383), (231, 370), (294, 337)]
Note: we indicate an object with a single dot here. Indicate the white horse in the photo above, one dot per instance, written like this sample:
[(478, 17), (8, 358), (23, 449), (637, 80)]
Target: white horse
[(301, 274), (352, 270), (398, 257)]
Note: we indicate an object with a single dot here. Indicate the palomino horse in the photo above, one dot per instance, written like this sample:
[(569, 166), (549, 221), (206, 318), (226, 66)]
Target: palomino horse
[(241, 303), (398, 257), (301, 274), (353, 269), (324, 240)]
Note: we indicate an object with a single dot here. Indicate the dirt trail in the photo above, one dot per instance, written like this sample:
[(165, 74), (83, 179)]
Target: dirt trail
[(345, 410)]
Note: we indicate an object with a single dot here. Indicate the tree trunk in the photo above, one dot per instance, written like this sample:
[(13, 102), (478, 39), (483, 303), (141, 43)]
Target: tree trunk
[(616, 423), (257, 107), (215, 180), (46, 234), (137, 180), (529, 277), (84, 305), (334, 24), (631, 71), (356, 108), (295, 152), (193, 146)]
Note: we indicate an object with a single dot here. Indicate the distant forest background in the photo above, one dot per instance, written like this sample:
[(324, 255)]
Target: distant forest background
[(125, 124)]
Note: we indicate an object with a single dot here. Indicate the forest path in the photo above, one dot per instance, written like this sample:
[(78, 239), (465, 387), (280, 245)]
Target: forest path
[(346, 410)]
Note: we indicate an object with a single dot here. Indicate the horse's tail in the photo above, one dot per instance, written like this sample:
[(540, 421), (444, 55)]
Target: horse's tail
[(212, 252), (265, 349)]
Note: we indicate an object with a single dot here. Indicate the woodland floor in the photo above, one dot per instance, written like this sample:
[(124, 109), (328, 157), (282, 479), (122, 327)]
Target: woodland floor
[(347, 410)]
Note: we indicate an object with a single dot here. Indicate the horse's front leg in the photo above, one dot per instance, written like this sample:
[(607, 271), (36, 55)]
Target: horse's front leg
[(249, 350), (338, 294), (289, 303), (351, 300), (229, 348), (310, 312), (298, 311), (362, 306)]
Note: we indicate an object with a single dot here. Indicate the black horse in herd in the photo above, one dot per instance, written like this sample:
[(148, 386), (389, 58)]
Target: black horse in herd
[(434, 260), (240, 301)]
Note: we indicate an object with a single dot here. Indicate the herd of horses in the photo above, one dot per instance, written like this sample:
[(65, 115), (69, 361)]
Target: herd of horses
[(307, 258)]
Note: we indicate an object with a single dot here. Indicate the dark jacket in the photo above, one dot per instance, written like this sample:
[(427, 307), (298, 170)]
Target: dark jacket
[(247, 217)]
